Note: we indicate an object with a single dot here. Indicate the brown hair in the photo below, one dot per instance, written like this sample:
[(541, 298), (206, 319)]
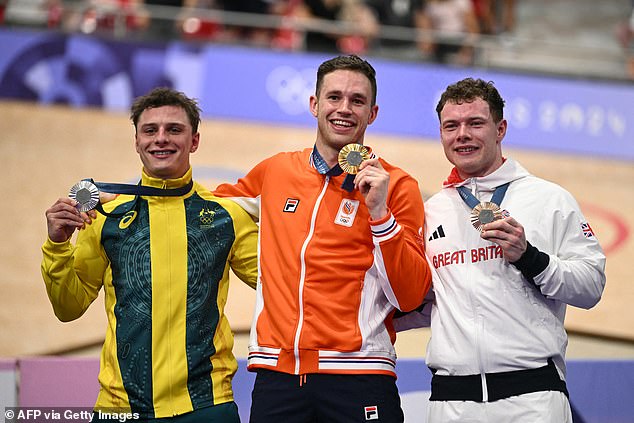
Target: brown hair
[(350, 62), (164, 96), (468, 90)]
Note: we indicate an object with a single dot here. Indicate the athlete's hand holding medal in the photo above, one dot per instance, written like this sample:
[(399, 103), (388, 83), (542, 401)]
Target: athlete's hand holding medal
[(91, 195), (370, 178), (496, 225), (86, 198), (509, 234)]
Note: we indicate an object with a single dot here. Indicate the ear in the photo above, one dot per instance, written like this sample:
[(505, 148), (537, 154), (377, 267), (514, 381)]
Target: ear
[(374, 112), (501, 130), (313, 105), (195, 142), (136, 143)]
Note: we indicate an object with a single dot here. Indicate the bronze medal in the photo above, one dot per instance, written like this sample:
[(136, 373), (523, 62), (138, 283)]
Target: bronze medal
[(86, 194), (484, 213), (351, 156)]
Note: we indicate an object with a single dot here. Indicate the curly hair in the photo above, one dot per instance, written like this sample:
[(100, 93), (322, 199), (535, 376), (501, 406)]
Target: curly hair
[(467, 90)]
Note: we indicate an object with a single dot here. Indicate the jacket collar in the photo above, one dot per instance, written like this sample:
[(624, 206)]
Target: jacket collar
[(508, 172), (166, 183)]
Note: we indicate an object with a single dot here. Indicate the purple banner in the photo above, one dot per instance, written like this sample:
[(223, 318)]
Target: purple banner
[(551, 114)]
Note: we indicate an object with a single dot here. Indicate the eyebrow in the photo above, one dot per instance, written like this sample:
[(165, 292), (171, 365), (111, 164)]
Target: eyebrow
[(143, 125), (341, 93), (468, 118)]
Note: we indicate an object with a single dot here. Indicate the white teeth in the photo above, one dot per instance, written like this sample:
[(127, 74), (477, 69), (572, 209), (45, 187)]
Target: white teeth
[(162, 153), (341, 123), (466, 149)]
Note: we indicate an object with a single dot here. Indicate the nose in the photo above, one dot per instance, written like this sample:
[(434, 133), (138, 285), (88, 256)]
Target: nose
[(344, 106), (161, 136), (463, 132)]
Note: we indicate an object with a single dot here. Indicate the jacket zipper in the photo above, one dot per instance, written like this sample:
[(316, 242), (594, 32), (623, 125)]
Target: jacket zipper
[(302, 275), (479, 323)]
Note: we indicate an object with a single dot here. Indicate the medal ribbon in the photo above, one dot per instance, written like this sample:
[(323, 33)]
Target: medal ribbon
[(472, 201), (348, 182), (322, 167), (143, 190), (137, 190)]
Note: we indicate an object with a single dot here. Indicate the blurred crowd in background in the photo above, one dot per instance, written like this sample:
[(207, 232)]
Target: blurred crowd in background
[(443, 31)]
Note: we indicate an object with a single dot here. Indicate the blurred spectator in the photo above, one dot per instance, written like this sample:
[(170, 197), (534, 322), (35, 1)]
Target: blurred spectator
[(112, 17), (28, 12), (354, 13), (495, 16), (485, 15), (55, 13), (450, 31), (251, 34), (506, 19), (156, 20), (287, 37), (197, 27), (625, 35), (194, 26), (162, 23), (397, 13)]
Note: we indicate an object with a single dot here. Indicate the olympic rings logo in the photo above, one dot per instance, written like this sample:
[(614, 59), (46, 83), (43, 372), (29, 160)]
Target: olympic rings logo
[(291, 88)]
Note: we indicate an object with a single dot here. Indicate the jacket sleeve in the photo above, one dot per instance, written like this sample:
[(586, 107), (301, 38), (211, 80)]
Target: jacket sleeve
[(74, 274), (420, 317), (403, 270), (244, 257), (575, 273), (246, 192)]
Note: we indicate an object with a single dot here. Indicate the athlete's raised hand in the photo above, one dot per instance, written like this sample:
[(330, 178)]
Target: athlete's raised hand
[(372, 182)]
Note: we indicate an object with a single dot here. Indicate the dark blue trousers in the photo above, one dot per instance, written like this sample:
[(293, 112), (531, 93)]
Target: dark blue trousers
[(328, 398)]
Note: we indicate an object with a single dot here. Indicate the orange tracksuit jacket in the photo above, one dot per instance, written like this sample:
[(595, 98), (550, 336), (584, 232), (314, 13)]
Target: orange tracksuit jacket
[(330, 278)]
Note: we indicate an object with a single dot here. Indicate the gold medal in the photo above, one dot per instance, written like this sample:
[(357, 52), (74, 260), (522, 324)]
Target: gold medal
[(485, 213), (351, 156), (86, 194)]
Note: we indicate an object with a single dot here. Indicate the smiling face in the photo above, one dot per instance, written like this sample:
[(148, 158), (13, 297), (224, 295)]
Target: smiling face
[(343, 108), (164, 141), (471, 138)]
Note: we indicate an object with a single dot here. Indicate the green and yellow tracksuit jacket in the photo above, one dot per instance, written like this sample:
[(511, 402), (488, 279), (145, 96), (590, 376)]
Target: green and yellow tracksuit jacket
[(164, 267)]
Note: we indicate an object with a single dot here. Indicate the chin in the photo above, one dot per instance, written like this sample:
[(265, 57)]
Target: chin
[(162, 174)]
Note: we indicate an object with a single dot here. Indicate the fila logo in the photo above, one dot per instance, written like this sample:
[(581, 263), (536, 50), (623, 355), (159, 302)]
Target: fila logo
[(371, 412), (438, 233), (291, 205)]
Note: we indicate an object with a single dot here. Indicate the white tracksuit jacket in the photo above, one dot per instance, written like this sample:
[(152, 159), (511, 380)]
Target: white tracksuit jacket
[(487, 317)]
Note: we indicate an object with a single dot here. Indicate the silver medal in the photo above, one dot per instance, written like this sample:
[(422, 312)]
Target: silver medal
[(86, 194)]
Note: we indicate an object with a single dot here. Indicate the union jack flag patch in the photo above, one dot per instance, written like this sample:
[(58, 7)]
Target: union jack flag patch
[(587, 230)]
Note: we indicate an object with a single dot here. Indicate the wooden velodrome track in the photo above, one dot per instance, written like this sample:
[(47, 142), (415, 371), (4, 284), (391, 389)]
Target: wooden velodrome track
[(45, 150)]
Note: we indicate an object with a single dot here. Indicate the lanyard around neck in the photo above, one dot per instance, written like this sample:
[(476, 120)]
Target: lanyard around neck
[(86, 193), (484, 212), (472, 201)]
